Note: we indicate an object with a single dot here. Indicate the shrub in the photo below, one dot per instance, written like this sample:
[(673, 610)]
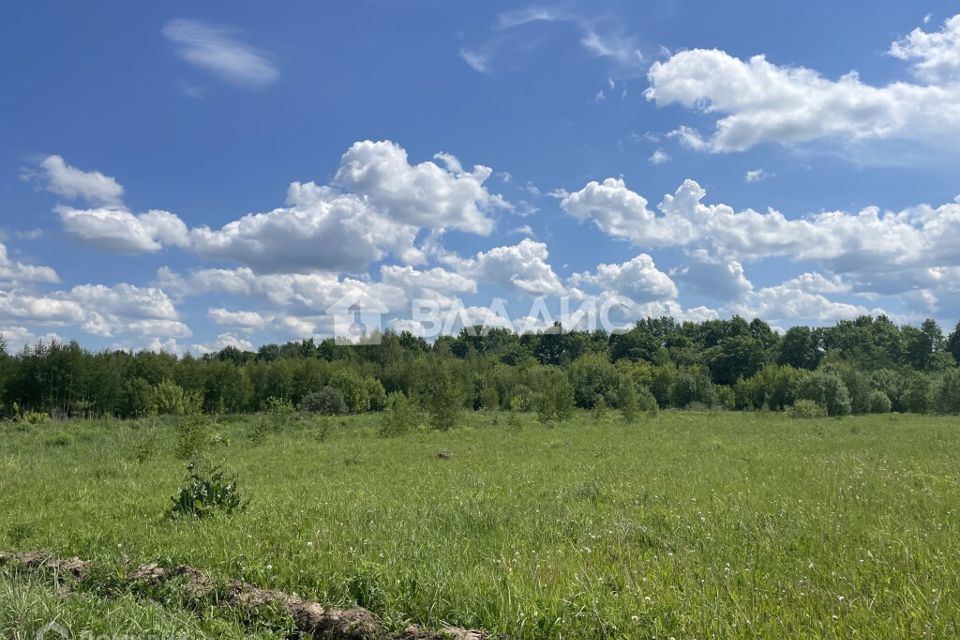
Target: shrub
[(806, 409), (137, 400), (375, 394), (879, 402), (662, 380), (693, 386), (193, 436), (599, 410), (647, 402), (554, 403), (514, 419), (277, 417), (323, 429), (918, 397), (169, 399), (328, 401), (593, 378), (400, 417), (443, 399), (857, 383), (826, 389), (147, 442), (205, 492), (627, 400), (946, 396), (773, 387), (33, 418), (353, 388)]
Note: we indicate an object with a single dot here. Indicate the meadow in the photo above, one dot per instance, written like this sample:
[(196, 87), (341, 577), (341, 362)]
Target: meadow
[(687, 524)]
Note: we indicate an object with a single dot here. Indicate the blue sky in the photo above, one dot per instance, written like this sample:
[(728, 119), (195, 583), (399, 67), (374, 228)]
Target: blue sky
[(148, 152)]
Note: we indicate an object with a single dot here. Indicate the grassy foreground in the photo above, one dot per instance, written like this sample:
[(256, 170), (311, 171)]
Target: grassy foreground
[(690, 525)]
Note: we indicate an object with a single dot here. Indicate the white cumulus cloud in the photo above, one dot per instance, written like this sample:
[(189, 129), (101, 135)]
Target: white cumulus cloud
[(756, 101)]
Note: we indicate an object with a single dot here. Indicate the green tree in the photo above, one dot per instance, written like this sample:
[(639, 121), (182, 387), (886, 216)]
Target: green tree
[(401, 415), (826, 389), (444, 398), (799, 348), (554, 398), (946, 399), (953, 343)]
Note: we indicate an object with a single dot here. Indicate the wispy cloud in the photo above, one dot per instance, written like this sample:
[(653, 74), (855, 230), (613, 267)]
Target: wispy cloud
[(215, 48), (477, 61), (595, 37)]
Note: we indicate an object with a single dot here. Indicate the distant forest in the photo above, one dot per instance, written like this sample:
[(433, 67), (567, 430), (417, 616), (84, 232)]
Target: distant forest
[(865, 365)]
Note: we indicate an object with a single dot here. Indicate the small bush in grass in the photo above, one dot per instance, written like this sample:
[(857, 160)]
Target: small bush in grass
[(193, 436), (147, 444), (646, 401), (514, 419), (277, 416), (806, 409), (33, 418), (323, 428), (879, 402), (554, 402), (599, 410), (60, 440), (400, 417), (627, 401), (170, 399), (206, 491), (328, 401), (443, 399)]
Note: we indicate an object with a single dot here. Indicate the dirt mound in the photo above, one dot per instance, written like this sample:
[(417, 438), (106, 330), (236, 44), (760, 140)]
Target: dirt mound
[(309, 617), (74, 566)]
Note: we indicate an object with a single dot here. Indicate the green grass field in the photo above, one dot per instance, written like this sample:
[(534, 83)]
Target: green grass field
[(684, 525)]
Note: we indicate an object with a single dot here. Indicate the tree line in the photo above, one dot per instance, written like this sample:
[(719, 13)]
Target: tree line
[(869, 364)]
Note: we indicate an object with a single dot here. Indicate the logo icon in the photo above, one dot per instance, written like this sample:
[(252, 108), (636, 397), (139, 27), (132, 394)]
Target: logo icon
[(357, 318)]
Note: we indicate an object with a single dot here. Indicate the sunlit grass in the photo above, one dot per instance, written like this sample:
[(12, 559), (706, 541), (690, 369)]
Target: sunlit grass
[(691, 525)]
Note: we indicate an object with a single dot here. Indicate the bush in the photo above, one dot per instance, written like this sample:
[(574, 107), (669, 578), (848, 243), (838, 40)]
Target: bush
[(646, 401), (693, 386), (946, 397), (169, 399), (806, 409), (826, 389), (918, 397), (857, 383), (376, 395), (593, 378), (443, 399), (627, 400), (400, 417), (206, 492), (772, 387), (193, 436), (328, 401), (554, 403), (514, 419), (323, 429), (353, 388), (277, 417), (33, 418), (879, 402), (599, 410)]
